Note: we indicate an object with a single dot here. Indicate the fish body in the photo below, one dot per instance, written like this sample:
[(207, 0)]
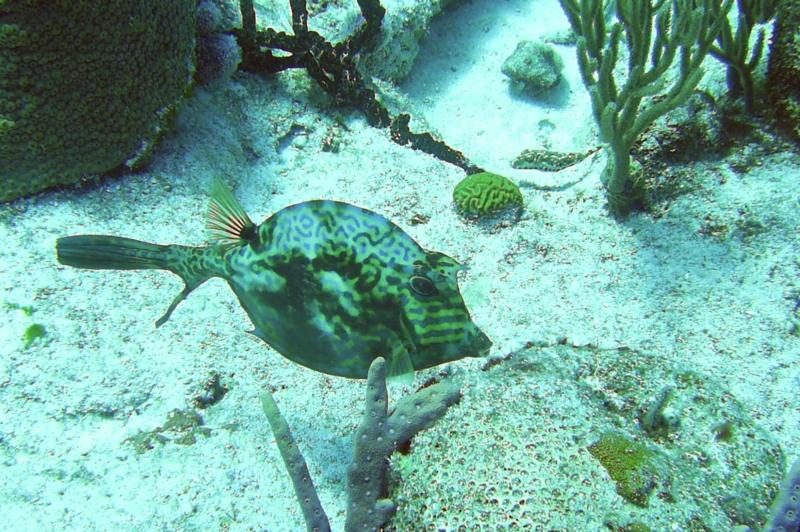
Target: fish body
[(329, 285)]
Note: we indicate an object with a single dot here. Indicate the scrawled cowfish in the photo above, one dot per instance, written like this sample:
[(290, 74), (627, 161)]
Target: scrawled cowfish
[(328, 285)]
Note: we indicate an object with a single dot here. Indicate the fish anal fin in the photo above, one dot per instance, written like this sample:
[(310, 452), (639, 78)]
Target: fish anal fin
[(180, 297), (401, 369), (187, 289)]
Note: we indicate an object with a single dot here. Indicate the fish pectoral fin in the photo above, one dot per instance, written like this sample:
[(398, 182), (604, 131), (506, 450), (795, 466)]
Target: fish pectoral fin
[(401, 370)]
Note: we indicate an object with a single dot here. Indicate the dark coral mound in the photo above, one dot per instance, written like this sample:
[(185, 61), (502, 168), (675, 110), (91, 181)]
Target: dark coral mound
[(784, 66), (86, 86)]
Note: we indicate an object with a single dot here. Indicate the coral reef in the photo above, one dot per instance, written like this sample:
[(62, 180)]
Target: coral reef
[(377, 437), (733, 47), (656, 34), (33, 333), (659, 420), (693, 131), (218, 53), (547, 160), (334, 68), (486, 193), (399, 43), (304, 488), (218, 57), (534, 66), (504, 448), (784, 66), (628, 464), (86, 87), (785, 512), (209, 18), (181, 427), (697, 130)]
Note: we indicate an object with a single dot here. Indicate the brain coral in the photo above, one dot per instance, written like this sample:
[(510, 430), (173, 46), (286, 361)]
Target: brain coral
[(485, 193), (86, 86)]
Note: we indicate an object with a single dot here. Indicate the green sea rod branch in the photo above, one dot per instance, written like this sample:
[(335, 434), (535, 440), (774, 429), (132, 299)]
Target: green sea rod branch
[(656, 34), (732, 48)]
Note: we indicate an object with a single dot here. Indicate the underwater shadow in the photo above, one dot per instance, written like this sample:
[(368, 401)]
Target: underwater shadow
[(458, 37), (557, 97), (692, 273), (327, 452)]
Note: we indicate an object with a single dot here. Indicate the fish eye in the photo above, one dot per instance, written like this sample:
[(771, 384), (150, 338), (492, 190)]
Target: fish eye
[(422, 285)]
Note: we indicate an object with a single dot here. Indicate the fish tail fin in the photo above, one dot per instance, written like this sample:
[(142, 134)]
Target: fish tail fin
[(100, 252)]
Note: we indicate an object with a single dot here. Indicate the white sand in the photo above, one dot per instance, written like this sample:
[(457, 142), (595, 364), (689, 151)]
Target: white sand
[(566, 270)]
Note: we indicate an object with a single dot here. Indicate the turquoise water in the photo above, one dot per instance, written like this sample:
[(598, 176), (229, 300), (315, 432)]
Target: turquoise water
[(643, 371)]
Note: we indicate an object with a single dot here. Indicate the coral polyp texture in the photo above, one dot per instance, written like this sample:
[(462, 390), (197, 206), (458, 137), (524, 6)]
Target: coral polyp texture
[(784, 66), (86, 87), (785, 512), (550, 439), (486, 193)]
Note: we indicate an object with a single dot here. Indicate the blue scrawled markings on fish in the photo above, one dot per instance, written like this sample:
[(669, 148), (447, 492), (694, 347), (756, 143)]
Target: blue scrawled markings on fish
[(327, 284)]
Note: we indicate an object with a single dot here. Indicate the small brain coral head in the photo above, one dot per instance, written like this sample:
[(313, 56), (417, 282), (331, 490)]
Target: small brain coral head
[(486, 193)]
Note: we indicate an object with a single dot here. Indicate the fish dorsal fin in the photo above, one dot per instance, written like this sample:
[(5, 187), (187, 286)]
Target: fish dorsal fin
[(227, 222)]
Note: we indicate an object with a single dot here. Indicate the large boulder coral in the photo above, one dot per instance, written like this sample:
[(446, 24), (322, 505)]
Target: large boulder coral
[(784, 66), (404, 26), (86, 87), (578, 438)]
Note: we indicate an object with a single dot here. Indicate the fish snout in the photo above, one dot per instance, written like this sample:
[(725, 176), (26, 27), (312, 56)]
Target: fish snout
[(480, 342)]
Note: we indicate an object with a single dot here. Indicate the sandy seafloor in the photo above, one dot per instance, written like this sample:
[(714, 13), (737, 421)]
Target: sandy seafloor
[(683, 294)]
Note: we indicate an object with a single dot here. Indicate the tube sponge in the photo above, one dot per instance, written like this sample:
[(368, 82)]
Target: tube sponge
[(785, 511), (377, 437)]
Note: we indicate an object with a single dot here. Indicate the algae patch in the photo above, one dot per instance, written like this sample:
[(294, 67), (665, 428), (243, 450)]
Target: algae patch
[(182, 427), (628, 464), (33, 333)]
